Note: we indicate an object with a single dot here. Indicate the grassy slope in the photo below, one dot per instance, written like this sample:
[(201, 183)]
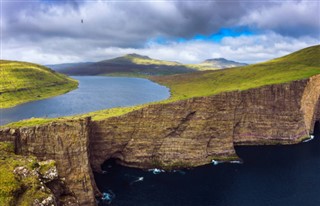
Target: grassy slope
[(22, 82), (214, 64), (299, 65), (13, 189), (131, 65), (143, 60), (201, 66)]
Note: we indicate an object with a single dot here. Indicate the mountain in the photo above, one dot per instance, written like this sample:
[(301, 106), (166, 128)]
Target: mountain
[(139, 65), (59, 67), (214, 64), (21, 82), (222, 63), (130, 64)]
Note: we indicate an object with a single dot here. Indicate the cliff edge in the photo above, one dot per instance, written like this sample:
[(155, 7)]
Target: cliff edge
[(185, 133)]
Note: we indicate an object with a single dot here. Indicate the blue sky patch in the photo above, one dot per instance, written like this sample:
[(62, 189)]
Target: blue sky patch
[(224, 32), (215, 37)]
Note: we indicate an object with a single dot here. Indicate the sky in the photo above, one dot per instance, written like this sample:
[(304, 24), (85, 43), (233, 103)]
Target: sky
[(188, 31)]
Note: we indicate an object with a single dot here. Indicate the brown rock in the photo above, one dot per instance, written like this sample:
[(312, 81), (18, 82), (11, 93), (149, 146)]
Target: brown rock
[(185, 133), (66, 142)]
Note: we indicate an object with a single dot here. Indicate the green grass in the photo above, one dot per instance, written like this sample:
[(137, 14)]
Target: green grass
[(141, 60), (15, 190), (201, 67), (299, 65), (136, 59), (21, 82), (97, 115)]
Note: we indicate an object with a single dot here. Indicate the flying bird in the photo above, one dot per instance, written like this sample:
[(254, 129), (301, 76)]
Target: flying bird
[(82, 21)]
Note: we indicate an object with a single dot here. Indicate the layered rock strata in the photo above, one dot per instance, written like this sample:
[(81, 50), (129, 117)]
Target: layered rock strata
[(67, 143), (186, 133)]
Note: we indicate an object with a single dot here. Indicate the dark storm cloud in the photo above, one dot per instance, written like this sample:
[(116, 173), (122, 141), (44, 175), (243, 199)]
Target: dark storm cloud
[(55, 28), (130, 24), (208, 17)]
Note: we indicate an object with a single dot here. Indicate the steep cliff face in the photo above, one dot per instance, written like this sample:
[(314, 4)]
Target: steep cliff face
[(195, 131), (180, 134), (317, 114), (310, 103), (68, 144), (270, 115)]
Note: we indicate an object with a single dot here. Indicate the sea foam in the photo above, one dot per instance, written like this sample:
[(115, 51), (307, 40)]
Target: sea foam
[(311, 138), (156, 171)]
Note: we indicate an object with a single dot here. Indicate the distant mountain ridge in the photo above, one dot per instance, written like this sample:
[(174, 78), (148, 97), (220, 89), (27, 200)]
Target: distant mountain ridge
[(139, 65), (130, 64), (58, 67), (140, 60), (222, 63)]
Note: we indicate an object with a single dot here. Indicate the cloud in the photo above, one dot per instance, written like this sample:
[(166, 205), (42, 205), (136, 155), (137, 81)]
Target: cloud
[(46, 31), (288, 18), (241, 48)]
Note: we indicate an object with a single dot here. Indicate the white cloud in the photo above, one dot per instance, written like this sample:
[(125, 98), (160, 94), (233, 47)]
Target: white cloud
[(288, 18), (249, 49), (53, 33)]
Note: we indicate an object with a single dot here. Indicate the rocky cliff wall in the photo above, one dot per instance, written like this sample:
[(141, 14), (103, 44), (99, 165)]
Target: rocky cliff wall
[(317, 114), (270, 115), (195, 131), (67, 143), (310, 104), (180, 134)]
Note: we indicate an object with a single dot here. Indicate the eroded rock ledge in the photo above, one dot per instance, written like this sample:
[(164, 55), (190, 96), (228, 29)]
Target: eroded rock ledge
[(186, 133)]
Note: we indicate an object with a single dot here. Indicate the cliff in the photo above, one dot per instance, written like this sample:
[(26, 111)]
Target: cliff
[(195, 131), (68, 144), (185, 133), (27, 181)]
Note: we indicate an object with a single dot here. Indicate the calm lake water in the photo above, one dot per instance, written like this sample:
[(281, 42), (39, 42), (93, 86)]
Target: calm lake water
[(94, 93), (269, 176)]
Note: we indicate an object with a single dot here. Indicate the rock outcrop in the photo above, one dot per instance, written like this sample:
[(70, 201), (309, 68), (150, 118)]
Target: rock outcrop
[(180, 134), (186, 133), (67, 143)]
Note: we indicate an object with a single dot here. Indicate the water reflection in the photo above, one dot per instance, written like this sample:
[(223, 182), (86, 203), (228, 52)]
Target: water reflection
[(94, 93)]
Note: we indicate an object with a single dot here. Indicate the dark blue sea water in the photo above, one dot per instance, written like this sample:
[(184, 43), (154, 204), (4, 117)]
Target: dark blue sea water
[(94, 93), (269, 176)]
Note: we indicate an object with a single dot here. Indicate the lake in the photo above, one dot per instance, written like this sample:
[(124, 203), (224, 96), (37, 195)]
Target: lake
[(94, 93), (269, 176)]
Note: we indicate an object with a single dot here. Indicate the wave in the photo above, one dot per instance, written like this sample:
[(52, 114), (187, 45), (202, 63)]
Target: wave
[(311, 138), (156, 171)]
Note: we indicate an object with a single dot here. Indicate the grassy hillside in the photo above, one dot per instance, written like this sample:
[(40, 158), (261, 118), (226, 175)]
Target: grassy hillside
[(61, 67), (22, 82), (131, 65), (202, 66), (21, 187), (299, 65), (128, 65), (140, 60), (214, 64)]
